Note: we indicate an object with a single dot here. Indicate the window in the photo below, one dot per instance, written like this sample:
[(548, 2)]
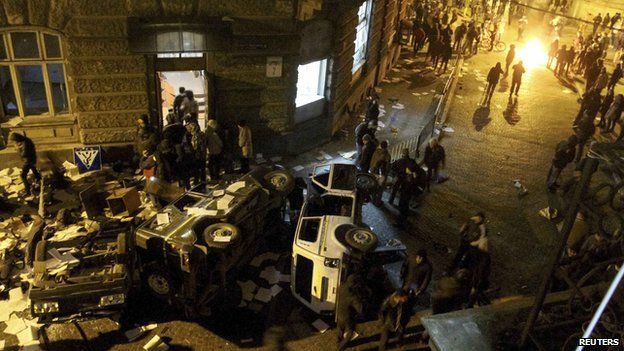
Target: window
[(309, 229), (32, 74), (311, 82), (361, 35)]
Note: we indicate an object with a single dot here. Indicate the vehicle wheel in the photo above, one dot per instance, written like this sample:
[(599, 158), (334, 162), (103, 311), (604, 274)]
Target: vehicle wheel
[(40, 251), (280, 181), (122, 248), (617, 201), (361, 239), (611, 225), (158, 281), (500, 46), (221, 235)]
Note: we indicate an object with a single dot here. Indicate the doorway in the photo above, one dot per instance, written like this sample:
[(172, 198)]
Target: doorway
[(171, 81)]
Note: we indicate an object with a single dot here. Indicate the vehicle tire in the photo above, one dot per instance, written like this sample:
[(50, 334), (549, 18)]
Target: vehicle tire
[(361, 239), (122, 249), (280, 181), (611, 225), (500, 46), (617, 200), (40, 251), (158, 282), (221, 230)]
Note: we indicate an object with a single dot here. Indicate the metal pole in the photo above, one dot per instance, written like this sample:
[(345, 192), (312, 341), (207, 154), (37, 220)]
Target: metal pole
[(603, 304), (591, 165)]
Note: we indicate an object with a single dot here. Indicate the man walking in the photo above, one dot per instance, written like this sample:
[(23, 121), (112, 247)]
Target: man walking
[(26, 149), (214, 147), (363, 161), (516, 79), (615, 76), (459, 36), (435, 157), (564, 154), (394, 315), (416, 273), (492, 79), (400, 167), (380, 167), (177, 103), (349, 306), (511, 55)]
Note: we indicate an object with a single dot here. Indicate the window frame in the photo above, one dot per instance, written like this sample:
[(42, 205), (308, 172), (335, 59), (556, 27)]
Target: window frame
[(6, 48), (43, 61), (321, 83), (365, 23)]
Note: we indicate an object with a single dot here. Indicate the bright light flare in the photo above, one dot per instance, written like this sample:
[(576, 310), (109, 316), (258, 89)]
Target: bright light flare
[(533, 54)]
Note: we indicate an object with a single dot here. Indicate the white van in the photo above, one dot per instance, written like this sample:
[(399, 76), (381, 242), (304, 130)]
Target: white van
[(329, 236)]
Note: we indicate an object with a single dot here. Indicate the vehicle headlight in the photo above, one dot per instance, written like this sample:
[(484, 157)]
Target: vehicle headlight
[(332, 262), (45, 307), (109, 300)]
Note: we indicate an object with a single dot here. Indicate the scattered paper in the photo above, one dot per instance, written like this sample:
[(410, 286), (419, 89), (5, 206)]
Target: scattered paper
[(162, 218), (135, 333), (347, 154), (481, 89), (14, 326), (298, 168), (459, 96), (425, 93), (236, 186), (567, 91), (276, 158), (398, 106), (320, 325), (448, 130), (416, 94), (263, 295), (198, 211), (259, 156), (218, 193), (224, 202), (270, 274), (276, 289), (248, 289), (284, 278)]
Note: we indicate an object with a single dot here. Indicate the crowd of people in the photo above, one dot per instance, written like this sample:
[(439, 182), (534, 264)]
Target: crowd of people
[(185, 153)]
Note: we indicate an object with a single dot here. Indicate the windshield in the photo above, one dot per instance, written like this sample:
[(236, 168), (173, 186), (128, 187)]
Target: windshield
[(330, 205), (343, 177), (309, 229)]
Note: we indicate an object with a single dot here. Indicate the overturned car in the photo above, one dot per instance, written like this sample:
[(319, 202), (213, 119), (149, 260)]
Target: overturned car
[(331, 241), (191, 246)]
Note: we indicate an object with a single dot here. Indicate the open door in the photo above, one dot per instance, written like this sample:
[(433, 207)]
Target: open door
[(169, 84)]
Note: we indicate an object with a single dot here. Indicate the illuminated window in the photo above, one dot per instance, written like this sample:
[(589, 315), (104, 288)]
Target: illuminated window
[(311, 82), (361, 34), (32, 74)]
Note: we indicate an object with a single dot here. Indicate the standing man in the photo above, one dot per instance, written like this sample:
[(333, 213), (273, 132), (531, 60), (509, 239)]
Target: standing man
[(349, 306), (470, 232), (177, 103), (592, 72), (394, 315), (363, 161), (399, 167), (26, 149), (602, 81), (198, 143), (492, 79), (360, 131), (516, 79), (564, 154), (471, 35), (419, 37), (372, 110), (522, 22), (147, 139), (511, 55), (416, 273), (459, 36), (380, 167), (597, 22), (561, 59), (615, 76), (435, 157), (245, 143), (214, 147)]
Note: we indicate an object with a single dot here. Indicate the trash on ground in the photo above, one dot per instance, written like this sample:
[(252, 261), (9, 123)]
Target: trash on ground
[(320, 325), (136, 333)]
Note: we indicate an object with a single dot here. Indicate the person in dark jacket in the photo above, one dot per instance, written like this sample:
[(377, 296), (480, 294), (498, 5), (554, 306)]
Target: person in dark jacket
[(416, 273), (470, 231), (368, 149), (349, 306), (177, 103), (28, 154), (564, 154), (570, 56), (419, 37), (552, 52), (592, 73), (590, 104), (360, 131), (471, 36), (380, 167), (584, 131), (604, 107), (399, 168), (615, 76), (372, 110), (511, 55), (435, 156), (394, 314), (406, 193), (460, 31), (445, 55), (147, 138), (492, 79), (516, 78)]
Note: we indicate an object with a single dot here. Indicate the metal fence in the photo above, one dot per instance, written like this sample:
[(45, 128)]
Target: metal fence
[(427, 131)]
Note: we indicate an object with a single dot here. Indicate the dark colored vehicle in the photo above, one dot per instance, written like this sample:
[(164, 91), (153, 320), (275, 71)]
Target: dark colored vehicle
[(192, 246), (86, 277)]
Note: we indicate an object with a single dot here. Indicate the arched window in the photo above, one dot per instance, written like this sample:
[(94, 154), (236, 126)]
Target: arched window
[(32, 74)]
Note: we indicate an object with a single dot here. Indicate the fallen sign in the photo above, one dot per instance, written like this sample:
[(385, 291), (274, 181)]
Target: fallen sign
[(88, 158)]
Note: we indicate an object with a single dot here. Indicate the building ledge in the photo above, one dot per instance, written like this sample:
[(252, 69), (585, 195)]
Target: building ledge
[(38, 121)]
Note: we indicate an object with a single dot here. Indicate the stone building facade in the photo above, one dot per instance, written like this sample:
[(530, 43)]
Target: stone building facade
[(256, 55)]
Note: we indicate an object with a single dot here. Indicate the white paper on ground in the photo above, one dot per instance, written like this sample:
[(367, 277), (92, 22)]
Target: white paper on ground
[(448, 130), (270, 274), (219, 192), (481, 89), (248, 289), (285, 278), (14, 326), (425, 93), (416, 94), (298, 168), (28, 335), (398, 106), (263, 295), (224, 202), (276, 158), (320, 325), (275, 289), (135, 333)]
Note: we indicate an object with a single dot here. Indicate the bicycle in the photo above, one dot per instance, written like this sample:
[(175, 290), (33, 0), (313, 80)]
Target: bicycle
[(486, 39)]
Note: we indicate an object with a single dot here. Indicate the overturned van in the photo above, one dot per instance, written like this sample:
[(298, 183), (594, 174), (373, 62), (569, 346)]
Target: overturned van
[(330, 238)]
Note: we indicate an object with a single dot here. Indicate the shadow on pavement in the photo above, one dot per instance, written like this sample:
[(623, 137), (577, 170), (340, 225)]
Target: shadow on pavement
[(511, 112), (481, 118)]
